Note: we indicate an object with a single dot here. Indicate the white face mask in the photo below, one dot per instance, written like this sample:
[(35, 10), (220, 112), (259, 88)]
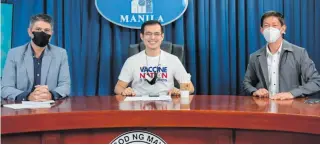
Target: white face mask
[(271, 34)]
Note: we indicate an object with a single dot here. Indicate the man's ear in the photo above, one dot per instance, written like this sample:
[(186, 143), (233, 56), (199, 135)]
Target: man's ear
[(51, 36), (284, 28), (30, 32), (261, 30), (141, 36)]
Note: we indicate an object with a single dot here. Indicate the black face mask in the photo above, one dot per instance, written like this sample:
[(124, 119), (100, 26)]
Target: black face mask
[(41, 39)]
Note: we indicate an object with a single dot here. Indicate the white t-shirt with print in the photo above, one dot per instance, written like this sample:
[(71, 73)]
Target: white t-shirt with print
[(168, 66)]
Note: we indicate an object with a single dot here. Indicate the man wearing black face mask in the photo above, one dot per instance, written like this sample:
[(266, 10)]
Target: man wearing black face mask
[(36, 71)]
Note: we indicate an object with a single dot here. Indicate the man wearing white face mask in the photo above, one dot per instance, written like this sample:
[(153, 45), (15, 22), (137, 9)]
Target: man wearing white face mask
[(280, 70)]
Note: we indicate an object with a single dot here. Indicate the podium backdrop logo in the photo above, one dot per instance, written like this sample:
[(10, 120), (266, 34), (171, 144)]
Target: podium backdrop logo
[(132, 13), (138, 137)]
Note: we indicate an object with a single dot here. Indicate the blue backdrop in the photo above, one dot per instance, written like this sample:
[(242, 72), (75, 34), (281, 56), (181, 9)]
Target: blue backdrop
[(218, 36), (6, 31)]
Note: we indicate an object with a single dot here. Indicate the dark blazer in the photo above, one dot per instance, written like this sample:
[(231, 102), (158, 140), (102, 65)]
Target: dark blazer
[(297, 72)]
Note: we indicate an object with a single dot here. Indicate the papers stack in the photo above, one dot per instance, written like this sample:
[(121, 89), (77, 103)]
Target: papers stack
[(147, 98), (30, 105)]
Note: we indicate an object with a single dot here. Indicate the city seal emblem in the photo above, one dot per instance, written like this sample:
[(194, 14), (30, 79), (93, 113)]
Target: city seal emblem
[(138, 137)]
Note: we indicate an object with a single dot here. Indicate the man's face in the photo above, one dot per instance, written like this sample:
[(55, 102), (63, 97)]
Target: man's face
[(274, 22), (39, 26), (152, 36)]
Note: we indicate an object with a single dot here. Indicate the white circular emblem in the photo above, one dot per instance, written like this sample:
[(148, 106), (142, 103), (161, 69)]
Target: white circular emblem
[(138, 137)]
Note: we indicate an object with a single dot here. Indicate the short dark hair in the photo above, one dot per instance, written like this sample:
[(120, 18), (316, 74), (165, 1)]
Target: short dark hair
[(150, 22), (275, 14), (41, 17)]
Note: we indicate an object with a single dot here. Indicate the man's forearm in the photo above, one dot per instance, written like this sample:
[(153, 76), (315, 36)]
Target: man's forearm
[(119, 89), (191, 89), (249, 89), (187, 86), (23, 96), (10, 93)]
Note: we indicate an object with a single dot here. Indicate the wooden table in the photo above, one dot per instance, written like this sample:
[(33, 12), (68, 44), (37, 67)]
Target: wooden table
[(198, 119)]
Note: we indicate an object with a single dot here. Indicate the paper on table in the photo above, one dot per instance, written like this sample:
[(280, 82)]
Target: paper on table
[(147, 98), (35, 102), (27, 106)]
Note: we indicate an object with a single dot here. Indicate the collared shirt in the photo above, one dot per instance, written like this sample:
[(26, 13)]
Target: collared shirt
[(273, 61), (37, 68)]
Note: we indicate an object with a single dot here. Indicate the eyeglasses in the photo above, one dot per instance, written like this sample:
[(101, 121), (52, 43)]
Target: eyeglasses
[(149, 34)]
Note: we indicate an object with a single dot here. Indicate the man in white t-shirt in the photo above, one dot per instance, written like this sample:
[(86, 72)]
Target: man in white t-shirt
[(152, 71)]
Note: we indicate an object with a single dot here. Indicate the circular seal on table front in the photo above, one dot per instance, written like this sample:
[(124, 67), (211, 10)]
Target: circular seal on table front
[(138, 137)]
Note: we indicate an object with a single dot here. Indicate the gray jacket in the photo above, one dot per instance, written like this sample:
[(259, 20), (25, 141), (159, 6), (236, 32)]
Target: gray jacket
[(18, 73), (297, 72)]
